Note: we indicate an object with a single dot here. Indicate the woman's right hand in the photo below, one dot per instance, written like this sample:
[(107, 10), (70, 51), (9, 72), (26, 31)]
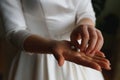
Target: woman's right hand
[(62, 51)]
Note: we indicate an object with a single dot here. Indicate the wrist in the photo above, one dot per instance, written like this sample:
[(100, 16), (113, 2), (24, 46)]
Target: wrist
[(38, 44), (86, 21), (51, 46), (87, 25)]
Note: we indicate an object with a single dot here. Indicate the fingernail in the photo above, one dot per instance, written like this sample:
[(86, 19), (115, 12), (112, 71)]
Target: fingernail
[(109, 68), (100, 69), (104, 55)]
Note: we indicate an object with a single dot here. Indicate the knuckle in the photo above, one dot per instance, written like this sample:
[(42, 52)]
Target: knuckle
[(94, 36)]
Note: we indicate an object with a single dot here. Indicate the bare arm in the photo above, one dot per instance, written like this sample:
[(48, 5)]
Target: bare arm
[(62, 51), (38, 44)]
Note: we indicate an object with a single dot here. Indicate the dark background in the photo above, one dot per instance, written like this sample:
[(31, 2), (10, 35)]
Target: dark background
[(108, 21)]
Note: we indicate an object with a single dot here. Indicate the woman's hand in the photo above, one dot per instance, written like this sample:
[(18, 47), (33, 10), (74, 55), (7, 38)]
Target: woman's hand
[(91, 39), (62, 51)]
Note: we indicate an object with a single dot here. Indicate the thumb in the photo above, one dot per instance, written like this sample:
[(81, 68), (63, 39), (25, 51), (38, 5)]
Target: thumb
[(74, 40), (60, 59)]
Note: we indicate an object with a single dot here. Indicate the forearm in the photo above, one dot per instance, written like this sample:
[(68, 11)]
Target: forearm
[(37, 44)]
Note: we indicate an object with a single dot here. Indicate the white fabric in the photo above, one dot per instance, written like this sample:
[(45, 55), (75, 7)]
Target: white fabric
[(51, 19)]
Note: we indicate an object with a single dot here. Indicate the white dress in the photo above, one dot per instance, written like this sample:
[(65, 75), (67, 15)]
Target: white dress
[(53, 19)]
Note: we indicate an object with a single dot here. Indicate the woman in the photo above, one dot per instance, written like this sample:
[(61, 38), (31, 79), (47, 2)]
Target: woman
[(43, 29)]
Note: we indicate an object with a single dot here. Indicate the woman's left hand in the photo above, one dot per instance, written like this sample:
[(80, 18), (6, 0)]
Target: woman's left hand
[(91, 39)]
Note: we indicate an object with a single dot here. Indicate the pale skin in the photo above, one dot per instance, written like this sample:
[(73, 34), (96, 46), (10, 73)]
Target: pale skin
[(89, 35), (62, 49)]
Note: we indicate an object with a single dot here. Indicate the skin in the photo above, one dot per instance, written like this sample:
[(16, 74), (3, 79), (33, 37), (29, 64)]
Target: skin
[(91, 38), (62, 49)]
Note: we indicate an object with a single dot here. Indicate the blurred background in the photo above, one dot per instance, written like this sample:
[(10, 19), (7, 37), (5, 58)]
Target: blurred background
[(108, 21)]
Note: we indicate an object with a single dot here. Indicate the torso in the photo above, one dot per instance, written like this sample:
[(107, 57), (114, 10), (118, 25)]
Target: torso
[(58, 16)]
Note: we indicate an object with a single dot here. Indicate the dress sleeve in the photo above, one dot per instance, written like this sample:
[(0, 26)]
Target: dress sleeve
[(14, 22), (85, 10)]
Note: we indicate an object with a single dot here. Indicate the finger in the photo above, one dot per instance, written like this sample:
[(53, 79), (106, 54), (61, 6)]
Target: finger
[(75, 36), (95, 57), (92, 40), (85, 62), (100, 54), (60, 59), (102, 59), (71, 46), (90, 64), (76, 44), (103, 64), (100, 41), (85, 37)]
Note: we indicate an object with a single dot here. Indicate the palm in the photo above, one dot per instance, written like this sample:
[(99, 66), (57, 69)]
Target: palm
[(62, 51)]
